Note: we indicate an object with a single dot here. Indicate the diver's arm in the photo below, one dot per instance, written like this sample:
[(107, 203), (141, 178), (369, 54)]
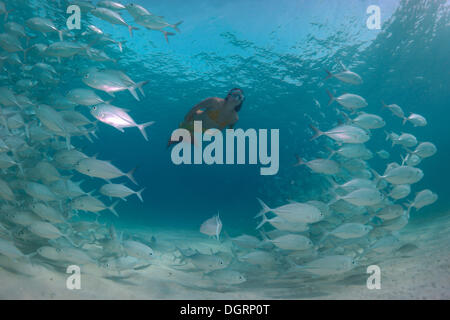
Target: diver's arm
[(206, 104)]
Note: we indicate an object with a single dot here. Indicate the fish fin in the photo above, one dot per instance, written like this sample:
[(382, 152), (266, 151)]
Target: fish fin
[(299, 161), (265, 208), (139, 194), (403, 159), (166, 34), (118, 128), (345, 115), (175, 26), (68, 142), (333, 183), (332, 98), (119, 43), (326, 234), (329, 75), (130, 175), (130, 29), (60, 34), (404, 120), (111, 94), (265, 238), (409, 205), (332, 152), (377, 176), (142, 127), (408, 150), (264, 220), (317, 132), (111, 208), (217, 227), (133, 93), (139, 86)]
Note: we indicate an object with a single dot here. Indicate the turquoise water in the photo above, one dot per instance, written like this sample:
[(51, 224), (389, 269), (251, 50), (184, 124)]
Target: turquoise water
[(277, 56), (277, 53)]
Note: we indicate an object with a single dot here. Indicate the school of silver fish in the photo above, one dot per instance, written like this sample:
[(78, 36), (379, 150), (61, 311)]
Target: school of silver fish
[(43, 207)]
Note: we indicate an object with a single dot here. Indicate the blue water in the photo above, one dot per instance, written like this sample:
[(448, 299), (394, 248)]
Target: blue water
[(276, 51)]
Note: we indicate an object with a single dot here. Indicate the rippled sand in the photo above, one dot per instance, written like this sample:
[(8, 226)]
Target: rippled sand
[(419, 270)]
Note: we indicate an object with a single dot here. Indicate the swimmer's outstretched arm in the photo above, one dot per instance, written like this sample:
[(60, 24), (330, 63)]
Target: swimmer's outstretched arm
[(206, 104)]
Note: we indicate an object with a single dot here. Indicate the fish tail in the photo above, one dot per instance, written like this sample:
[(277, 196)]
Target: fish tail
[(335, 197), (377, 176), (383, 105), (60, 34), (265, 238), (332, 152), (299, 161), (329, 75), (403, 159), (408, 150), (130, 175), (408, 205), (111, 208), (332, 98), (345, 115), (326, 234), (404, 120), (130, 29), (265, 208), (317, 132), (166, 34), (264, 220), (142, 128), (133, 92), (139, 86), (175, 26), (139, 194)]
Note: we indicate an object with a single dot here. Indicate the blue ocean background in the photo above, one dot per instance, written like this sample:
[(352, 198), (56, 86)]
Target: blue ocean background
[(276, 51)]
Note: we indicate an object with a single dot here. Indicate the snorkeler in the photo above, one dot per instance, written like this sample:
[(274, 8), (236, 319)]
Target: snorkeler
[(214, 112)]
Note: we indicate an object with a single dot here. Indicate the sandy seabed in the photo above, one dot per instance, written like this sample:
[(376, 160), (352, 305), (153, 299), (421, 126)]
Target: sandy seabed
[(420, 270)]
